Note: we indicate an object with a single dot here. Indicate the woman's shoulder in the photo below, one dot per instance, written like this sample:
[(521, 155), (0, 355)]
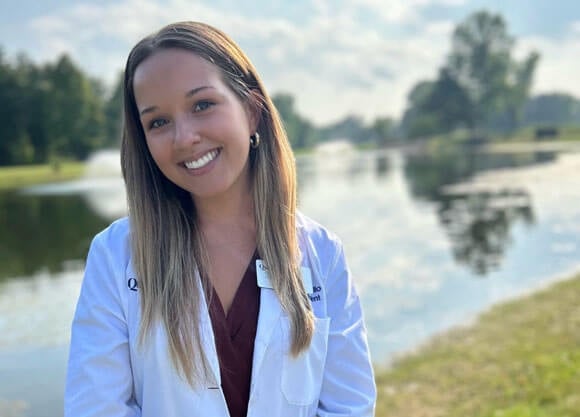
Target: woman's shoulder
[(317, 237), (115, 237)]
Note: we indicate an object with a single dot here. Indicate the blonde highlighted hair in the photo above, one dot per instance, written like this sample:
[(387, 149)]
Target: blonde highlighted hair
[(164, 228)]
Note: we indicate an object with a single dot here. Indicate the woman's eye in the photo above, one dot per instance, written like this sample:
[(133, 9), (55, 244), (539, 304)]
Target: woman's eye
[(157, 123), (202, 105)]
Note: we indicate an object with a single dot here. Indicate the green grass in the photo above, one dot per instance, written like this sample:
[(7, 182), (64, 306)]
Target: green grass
[(520, 359), (22, 176)]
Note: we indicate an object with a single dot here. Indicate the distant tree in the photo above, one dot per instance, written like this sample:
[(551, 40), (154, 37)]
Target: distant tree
[(415, 123), (552, 109), (481, 63), (437, 107), (39, 94), (15, 143), (480, 87), (351, 128), (384, 130), (301, 132), (77, 127), (114, 114), (519, 89)]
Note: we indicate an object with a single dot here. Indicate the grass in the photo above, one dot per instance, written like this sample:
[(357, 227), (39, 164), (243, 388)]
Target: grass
[(565, 134), (521, 359), (22, 176)]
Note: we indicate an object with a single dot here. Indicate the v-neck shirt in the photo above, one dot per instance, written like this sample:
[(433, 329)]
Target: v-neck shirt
[(234, 335)]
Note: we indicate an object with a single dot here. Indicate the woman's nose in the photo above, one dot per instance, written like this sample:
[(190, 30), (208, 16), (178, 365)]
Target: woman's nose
[(186, 133)]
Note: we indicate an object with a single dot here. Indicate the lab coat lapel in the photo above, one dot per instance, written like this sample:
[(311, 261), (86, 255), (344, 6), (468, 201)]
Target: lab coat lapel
[(268, 319), (208, 342)]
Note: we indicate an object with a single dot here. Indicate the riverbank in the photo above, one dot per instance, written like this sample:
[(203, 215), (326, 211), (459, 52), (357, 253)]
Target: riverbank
[(520, 359), (23, 176)]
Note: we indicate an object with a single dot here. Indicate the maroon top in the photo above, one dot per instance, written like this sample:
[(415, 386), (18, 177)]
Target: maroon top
[(234, 338)]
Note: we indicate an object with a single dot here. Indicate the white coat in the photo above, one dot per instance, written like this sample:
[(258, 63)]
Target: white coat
[(110, 376)]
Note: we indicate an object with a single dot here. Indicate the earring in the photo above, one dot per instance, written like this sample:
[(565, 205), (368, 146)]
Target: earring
[(255, 140)]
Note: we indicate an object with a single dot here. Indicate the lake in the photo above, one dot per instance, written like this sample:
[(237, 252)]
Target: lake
[(432, 240)]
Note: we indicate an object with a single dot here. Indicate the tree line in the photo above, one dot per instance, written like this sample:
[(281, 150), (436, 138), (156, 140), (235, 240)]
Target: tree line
[(54, 110)]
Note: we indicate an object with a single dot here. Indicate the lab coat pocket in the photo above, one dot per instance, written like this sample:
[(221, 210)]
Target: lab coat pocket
[(302, 375)]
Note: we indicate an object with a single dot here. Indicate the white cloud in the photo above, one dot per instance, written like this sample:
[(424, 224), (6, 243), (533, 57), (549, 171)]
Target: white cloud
[(402, 11), (332, 63), (558, 66)]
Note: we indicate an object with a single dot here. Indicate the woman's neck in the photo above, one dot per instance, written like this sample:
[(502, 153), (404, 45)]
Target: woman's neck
[(231, 214)]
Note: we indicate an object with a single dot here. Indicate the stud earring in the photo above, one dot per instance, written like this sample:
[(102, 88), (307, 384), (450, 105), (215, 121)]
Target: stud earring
[(255, 140)]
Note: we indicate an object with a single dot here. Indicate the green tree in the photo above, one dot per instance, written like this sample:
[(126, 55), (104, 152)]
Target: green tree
[(351, 127), (415, 122), (77, 125), (552, 109), (481, 63), (15, 143), (384, 130), (114, 114), (301, 132), (437, 107)]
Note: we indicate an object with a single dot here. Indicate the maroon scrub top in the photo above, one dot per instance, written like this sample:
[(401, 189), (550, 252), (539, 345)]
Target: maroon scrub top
[(234, 334)]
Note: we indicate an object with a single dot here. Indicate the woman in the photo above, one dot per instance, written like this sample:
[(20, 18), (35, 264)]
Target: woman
[(214, 298)]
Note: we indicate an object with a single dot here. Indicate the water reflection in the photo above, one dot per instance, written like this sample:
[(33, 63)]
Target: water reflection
[(382, 165), (42, 232), (427, 173), (479, 223), (417, 229)]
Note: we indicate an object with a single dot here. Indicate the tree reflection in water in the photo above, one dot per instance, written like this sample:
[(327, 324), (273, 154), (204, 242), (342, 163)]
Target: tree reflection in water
[(478, 225), (43, 232)]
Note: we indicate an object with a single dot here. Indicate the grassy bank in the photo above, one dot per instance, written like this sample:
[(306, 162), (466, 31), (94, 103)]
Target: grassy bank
[(521, 359), (22, 176)]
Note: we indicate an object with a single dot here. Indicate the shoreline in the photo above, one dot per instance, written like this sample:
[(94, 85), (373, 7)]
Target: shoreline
[(20, 176), (520, 358)]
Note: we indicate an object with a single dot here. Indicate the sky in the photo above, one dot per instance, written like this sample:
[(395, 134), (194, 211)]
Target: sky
[(336, 57)]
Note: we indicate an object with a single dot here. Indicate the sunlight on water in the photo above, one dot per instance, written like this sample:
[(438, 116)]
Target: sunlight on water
[(106, 163), (36, 311), (102, 185)]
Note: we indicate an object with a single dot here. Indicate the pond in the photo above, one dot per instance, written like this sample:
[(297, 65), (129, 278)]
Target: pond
[(432, 240)]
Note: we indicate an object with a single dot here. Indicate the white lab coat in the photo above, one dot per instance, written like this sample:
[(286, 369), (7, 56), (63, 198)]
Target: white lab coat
[(110, 376)]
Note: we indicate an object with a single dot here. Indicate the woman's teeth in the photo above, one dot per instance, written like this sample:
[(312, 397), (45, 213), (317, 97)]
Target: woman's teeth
[(203, 161)]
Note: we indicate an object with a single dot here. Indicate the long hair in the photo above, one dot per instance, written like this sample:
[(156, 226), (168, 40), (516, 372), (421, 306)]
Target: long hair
[(164, 225)]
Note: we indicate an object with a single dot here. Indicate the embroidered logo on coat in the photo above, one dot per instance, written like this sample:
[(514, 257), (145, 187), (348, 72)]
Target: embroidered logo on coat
[(315, 297), (132, 284)]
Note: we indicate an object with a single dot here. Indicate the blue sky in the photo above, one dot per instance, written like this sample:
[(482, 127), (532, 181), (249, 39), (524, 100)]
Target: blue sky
[(336, 57)]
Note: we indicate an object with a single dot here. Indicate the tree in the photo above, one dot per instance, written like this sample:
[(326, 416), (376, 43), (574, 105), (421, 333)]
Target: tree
[(552, 109), (383, 128), (77, 125), (114, 114), (481, 63), (15, 144), (351, 128), (437, 107), (300, 131)]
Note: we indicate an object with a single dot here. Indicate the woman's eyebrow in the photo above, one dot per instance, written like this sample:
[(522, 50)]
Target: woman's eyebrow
[(189, 94), (197, 90)]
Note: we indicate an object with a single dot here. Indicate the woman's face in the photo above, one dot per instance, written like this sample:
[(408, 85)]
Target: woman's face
[(196, 128)]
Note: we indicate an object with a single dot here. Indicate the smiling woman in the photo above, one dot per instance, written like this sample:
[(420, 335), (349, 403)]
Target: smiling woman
[(196, 128), (214, 290)]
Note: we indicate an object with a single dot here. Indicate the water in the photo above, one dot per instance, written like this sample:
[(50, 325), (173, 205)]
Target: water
[(432, 240)]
